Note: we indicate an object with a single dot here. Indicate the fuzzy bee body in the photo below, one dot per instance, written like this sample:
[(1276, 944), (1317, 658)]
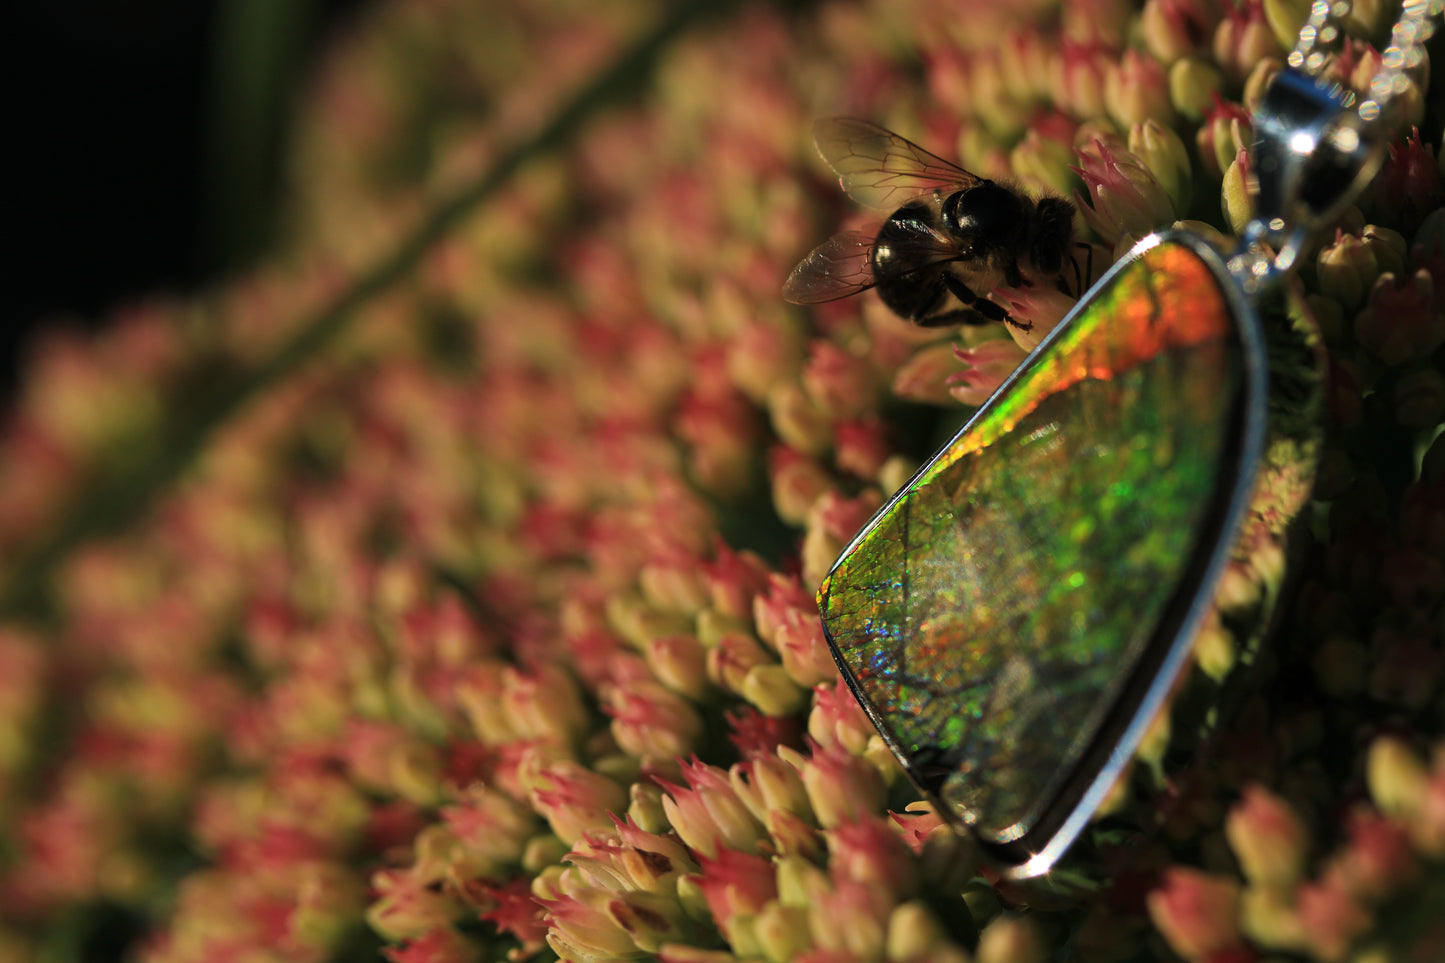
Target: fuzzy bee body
[(951, 237)]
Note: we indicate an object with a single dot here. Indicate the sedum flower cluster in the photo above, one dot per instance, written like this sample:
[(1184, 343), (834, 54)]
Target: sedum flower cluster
[(443, 589)]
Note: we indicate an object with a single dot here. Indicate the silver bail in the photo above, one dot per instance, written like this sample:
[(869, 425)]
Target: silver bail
[(1311, 157)]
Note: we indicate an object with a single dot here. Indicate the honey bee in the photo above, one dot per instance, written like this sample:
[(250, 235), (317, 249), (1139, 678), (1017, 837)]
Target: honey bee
[(951, 238)]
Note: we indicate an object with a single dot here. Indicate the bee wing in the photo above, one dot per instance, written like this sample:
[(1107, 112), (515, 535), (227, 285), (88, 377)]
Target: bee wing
[(835, 269), (879, 169)]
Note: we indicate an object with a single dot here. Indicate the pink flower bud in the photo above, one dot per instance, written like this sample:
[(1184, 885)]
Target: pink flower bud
[(734, 579), (852, 918), (1378, 859), (574, 799), (871, 851), (1177, 28), (1124, 198), (797, 481), (768, 687), (731, 659), (598, 924), (709, 816), (1162, 151), (1136, 89), (798, 420), (1331, 917), (1347, 270), (407, 905), (839, 383), (736, 884), (987, 366), (1079, 78), (1236, 198), (832, 522), (837, 720), (1197, 913), (680, 663), (1227, 129), (769, 783), (925, 375), (842, 787), (1400, 322), (861, 447), (1268, 838), (650, 722), (1397, 777), (1243, 39), (489, 824)]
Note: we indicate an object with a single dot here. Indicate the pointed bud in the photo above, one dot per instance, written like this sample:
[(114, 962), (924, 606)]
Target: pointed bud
[(987, 365), (1400, 322), (1163, 153), (797, 419), (1124, 198), (1079, 78), (574, 799), (709, 815), (1237, 202), (1136, 89), (782, 932), (838, 720), (852, 918), (650, 722), (1011, 939), (1332, 918), (1268, 838), (797, 481), (840, 384), (1227, 130), (1347, 270), (1243, 39), (1194, 84), (924, 377), (1397, 777), (871, 851), (832, 522), (680, 663), (915, 935), (1197, 913), (772, 691), (841, 787)]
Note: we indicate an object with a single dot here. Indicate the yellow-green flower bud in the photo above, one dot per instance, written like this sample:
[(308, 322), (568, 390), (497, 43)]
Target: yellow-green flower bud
[(1268, 838), (1164, 154), (1397, 777), (1194, 84), (1285, 18), (1235, 199), (1136, 89)]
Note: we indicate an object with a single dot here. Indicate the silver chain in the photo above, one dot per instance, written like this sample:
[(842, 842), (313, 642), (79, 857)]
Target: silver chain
[(1406, 51)]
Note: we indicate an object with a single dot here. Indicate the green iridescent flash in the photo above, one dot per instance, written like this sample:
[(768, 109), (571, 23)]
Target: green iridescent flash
[(998, 609)]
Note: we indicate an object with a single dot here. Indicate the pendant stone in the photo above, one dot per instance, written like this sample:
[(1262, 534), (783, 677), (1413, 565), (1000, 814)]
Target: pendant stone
[(996, 615)]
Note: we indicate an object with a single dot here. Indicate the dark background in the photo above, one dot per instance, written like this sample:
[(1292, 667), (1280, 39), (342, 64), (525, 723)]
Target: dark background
[(145, 140)]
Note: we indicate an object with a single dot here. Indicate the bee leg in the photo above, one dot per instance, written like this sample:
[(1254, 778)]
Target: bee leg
[(1011, 276), (976, 310)]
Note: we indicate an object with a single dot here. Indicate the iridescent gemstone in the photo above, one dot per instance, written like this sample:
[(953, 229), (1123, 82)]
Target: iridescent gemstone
[(1013, 616)]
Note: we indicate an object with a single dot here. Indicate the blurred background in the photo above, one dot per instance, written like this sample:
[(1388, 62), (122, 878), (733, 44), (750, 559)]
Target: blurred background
[(146, 144)]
